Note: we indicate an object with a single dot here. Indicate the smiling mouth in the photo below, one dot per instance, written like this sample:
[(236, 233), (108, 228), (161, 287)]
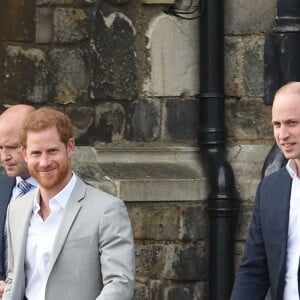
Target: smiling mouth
[(287, 146), (9, 166), (46, 171)]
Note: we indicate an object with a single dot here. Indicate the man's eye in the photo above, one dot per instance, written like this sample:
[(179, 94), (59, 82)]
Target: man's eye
[(34, 153), (292, 123), (9, 148)]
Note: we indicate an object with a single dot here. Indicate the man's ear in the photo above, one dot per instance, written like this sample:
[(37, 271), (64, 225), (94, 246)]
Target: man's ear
[(24, 153), (71, 146)]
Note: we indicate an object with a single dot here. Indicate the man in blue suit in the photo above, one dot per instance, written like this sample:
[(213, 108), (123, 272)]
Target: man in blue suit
[(272, 250), (16, 170)]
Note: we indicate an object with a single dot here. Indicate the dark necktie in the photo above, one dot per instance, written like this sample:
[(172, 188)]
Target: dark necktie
[(23, 187)]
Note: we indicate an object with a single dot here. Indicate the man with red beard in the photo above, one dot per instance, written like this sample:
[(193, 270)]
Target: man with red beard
[(78, 240)]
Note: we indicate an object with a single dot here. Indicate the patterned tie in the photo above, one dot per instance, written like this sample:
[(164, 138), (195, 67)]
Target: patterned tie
[(24, 187)]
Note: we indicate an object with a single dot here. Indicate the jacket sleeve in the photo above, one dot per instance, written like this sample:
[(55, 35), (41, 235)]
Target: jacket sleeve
[(116, 249), (252, 277)]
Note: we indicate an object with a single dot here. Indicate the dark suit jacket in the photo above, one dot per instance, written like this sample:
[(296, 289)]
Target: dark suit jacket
[(264, 262), (6, 186)]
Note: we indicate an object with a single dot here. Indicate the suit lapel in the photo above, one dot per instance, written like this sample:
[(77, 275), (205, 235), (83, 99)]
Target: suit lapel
[(281, 204), (23, 217), (7, 183), (20, 218), (71, 211)]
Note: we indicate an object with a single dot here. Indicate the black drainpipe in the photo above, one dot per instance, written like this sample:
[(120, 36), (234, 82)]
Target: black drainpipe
[(282, 61), (222, 198)]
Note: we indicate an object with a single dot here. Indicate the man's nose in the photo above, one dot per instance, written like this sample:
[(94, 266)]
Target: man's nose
[(283, 133), (44, 160), (5, 154)]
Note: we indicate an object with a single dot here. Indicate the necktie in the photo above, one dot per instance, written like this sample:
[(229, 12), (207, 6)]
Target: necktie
[(23, 187)]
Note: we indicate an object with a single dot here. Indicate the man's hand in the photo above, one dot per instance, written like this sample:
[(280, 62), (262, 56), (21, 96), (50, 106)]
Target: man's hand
[(2, 285)]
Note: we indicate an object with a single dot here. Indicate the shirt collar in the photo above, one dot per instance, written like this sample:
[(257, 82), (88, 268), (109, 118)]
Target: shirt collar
[(30, 180), (291, 168), (61, 199)]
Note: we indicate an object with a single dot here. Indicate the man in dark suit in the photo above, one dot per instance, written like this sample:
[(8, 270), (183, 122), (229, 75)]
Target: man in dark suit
[(16, 170), (272, 250)]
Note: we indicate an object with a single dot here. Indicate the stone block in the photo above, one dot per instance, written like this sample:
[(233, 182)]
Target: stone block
[(185, 262), (194, 222), (247, 162), (242, 156), (44, 25), (70, 25), (91, 172), (244, 219), (244, 65), (82, 118), (118, 1), (53, 2), (141, 292), (248, 120), (246, 17), (156, 182), (149, 261), (174, 54), (180, 292), (17, 20), (69, 75), (24, 76), (155, 221), (239, 252), (112, 55), (254, 66), (156, 290), (180, 120), (163, 190), (234, 66), (107, 124), (144, 123), (197, 291)]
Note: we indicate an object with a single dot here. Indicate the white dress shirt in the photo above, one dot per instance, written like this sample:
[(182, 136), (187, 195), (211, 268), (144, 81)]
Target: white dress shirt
[(40, 241), (293, 244)]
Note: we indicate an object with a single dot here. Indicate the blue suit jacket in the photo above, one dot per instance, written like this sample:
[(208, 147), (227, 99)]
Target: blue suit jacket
[(6, 186), (264, 262)]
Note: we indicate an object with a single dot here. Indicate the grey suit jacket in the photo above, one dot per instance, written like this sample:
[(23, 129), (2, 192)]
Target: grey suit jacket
[(93, 254)]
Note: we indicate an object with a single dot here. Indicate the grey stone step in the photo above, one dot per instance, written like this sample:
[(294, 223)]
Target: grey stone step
[(163, 174)]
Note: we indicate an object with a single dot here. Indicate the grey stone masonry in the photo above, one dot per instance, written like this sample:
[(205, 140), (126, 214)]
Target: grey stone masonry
[(127, 75), (165, 192)]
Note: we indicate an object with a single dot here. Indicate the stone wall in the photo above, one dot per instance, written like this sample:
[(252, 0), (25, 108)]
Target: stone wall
[(127, 74)]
